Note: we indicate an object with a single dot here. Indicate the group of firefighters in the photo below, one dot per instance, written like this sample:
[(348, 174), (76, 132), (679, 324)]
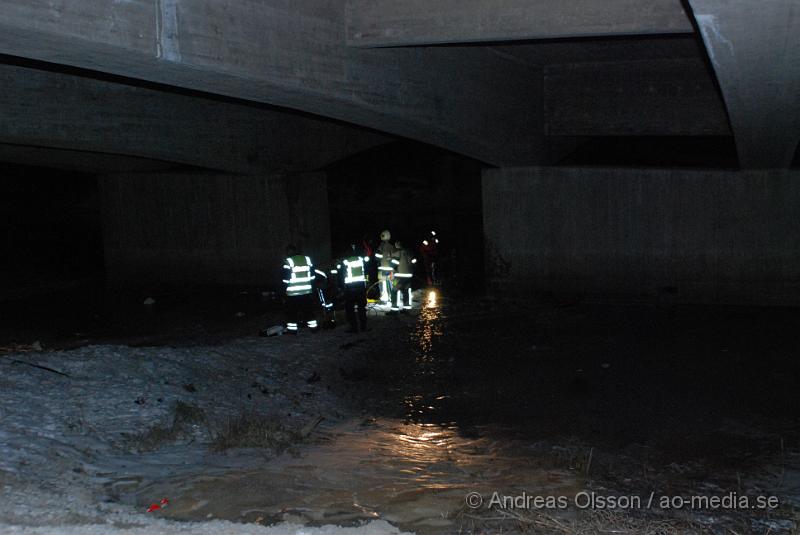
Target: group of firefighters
[(307, 286)]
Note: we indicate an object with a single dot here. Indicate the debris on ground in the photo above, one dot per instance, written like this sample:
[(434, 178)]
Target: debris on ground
[(156, 506), (310, 426), (275, 330)]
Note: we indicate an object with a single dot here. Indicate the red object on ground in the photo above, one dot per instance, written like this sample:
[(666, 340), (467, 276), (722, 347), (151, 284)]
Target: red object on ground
[(156, 506)]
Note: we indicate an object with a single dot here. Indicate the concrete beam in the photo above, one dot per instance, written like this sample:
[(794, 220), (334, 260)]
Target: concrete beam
[(559, 51), (47, 109), (292, 54), (755, 50), (382, 23), (635, 98)]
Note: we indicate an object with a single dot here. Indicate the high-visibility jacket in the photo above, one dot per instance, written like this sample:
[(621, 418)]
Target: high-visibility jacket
[(298, 275), (384, 254), (352, 270), (403, 264)]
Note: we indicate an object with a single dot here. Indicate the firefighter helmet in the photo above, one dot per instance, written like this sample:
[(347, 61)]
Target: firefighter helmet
[(386, 235)]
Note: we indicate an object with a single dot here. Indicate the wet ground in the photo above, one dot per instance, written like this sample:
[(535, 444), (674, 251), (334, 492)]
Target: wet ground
[(468, 395), (471, 395)]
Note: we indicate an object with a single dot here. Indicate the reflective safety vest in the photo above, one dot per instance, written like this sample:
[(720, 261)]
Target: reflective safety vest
[(353, 270), (384, 254), (403, 264), (298, 275)]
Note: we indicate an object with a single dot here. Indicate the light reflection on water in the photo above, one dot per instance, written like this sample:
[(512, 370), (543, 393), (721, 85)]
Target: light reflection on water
[(413, 475), (428, 359), (428, 328)]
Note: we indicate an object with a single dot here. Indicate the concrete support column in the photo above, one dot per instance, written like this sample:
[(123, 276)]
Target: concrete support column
[(755, 50), (211, 228)]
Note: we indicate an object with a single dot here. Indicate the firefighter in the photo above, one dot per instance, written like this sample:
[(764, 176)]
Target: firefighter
[(299, 277), (385, 268), (352, 272), (403, 262), (429, 252)]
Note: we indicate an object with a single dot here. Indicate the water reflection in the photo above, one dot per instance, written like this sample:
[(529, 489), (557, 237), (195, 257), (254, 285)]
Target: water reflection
[(414, 475), (431, 302), (428, 328), (428, 361)]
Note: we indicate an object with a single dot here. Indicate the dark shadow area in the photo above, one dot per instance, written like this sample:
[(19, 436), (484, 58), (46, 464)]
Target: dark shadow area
[(411, 189), (50, 229), (91, 312), (689, 383), (52, 271), (649, 151), (53, 287)]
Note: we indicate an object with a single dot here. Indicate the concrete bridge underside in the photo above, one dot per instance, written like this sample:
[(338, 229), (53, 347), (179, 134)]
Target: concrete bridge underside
[(479, 93), (218, 106)]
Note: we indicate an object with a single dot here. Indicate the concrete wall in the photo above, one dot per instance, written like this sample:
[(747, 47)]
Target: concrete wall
[(198, 228), (691, 236)]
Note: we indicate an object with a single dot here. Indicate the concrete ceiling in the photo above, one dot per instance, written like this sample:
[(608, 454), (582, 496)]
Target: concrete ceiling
[(502, 76)]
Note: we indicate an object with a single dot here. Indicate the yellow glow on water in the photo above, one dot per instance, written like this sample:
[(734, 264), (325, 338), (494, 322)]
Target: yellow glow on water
[(428, 326), (431, 299)]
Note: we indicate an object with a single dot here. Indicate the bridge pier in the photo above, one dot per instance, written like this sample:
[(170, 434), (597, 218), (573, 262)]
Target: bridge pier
[(755, 52)]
